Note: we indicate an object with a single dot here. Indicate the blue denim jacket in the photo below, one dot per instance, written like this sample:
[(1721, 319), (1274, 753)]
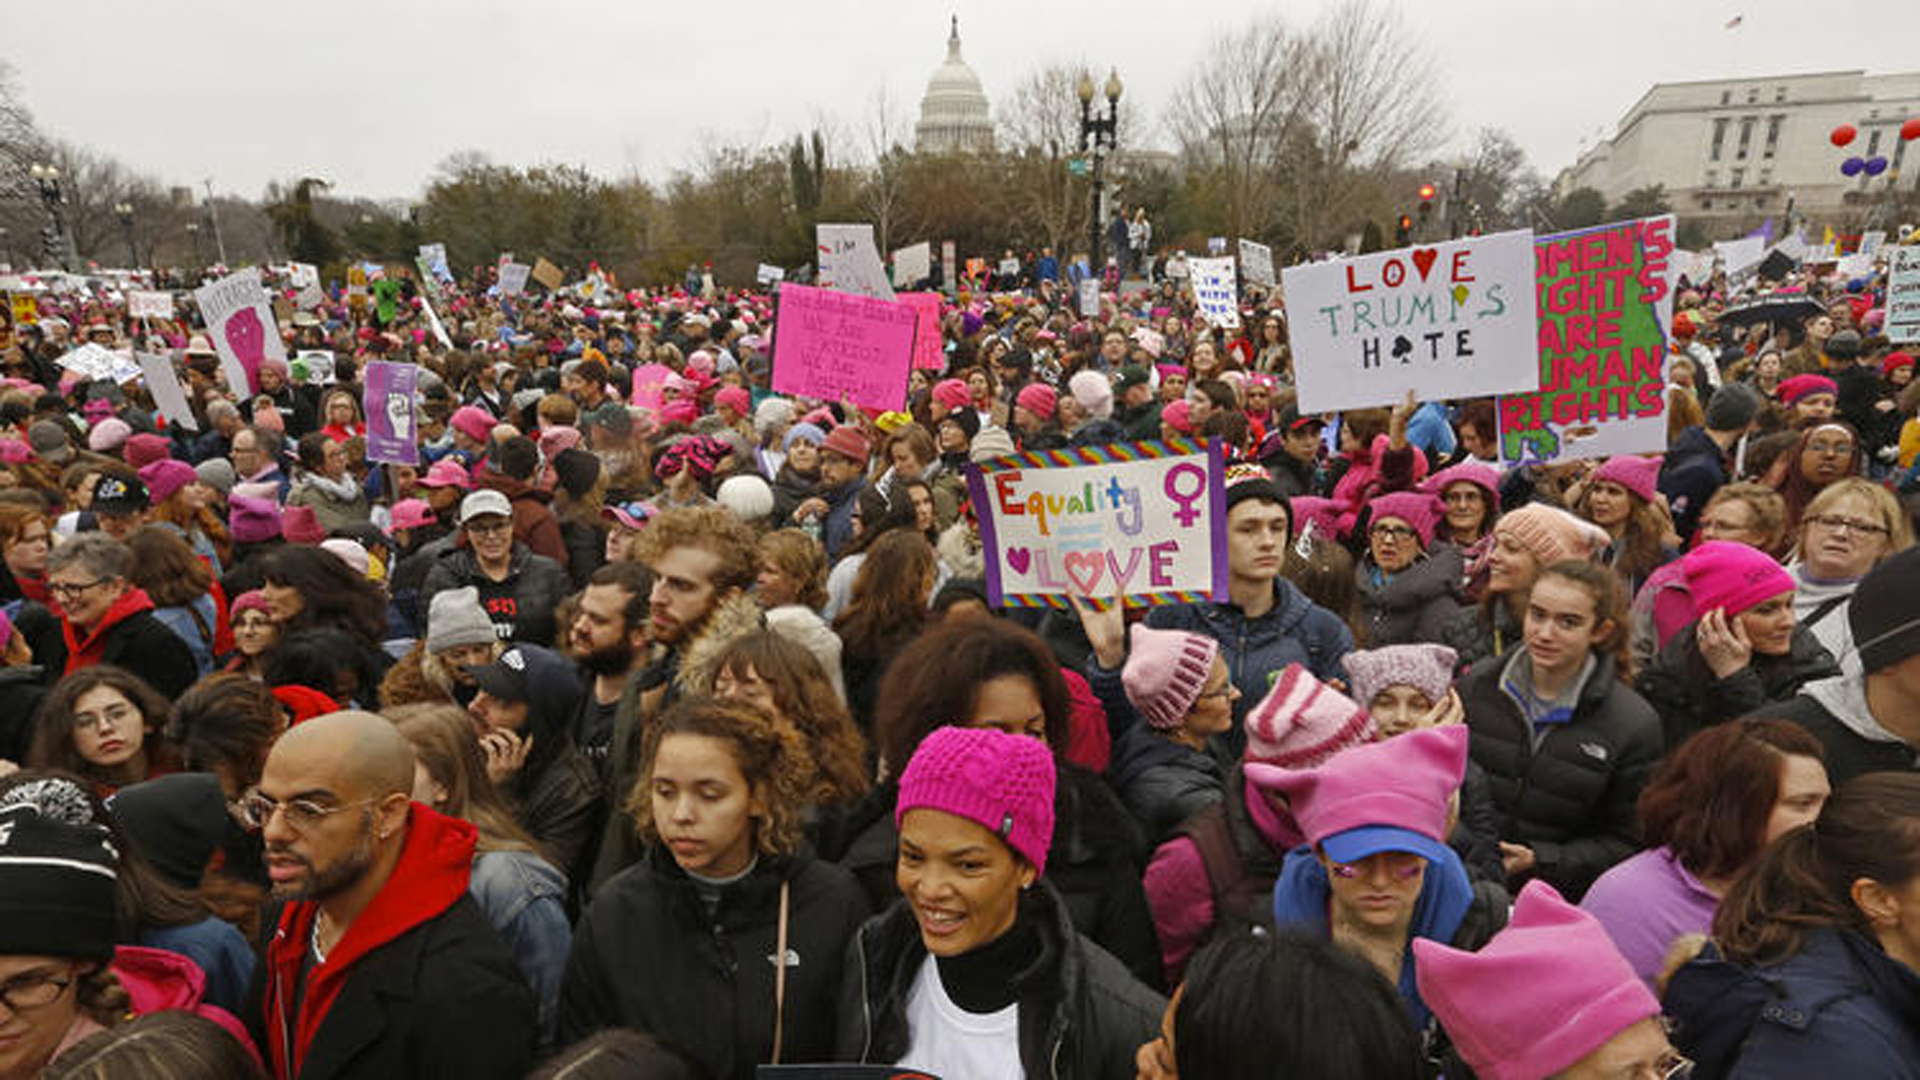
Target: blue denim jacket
[(523, 897)]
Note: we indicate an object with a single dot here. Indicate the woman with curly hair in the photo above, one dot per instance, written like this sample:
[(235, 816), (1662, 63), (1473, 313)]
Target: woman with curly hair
[(726, 884), (105, 725), (789, 682), (1619, 497)]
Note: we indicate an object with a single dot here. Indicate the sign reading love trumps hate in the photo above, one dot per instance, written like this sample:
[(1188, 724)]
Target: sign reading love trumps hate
[(1143, 520), (1450, 320)]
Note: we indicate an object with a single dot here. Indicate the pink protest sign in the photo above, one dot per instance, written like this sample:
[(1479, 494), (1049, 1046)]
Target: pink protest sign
[(833, 345), (928, 350), (647, 381)]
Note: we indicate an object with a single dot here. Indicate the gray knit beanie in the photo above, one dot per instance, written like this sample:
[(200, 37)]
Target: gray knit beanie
[(455, 618)]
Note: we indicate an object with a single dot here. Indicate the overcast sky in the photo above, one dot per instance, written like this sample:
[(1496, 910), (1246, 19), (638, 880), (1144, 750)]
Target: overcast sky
[(372, 95)]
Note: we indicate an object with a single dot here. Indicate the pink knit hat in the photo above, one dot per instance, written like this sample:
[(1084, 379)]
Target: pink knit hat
[(1038, 399), (1545, 992), (1001, 782), (1093, 391), (1322, 514), (952, 393), (108, 435), (1386, 796), (1303, 722), (1551, 533), (557, 438), (1800, 386), (251, 519), (734, 397), (165, 477), (300, 525), (1417, 508), (1426, 668), (474, 422), (1484, 477), (1636, 474), (1731, 575), (1165, 672), (251, 600), (680, 411), (448, 473), (145, 448), (1174, 415)]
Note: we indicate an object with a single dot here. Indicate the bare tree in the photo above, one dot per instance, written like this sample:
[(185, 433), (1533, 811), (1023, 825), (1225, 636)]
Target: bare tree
[(1039, 131), (882, 184)]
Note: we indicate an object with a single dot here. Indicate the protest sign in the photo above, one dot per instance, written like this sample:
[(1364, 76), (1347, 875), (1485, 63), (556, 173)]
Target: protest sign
[(647, 381), (96, 362), (929, 349), (429, 285), (1451, 320), (833, 345), (1214, 291), (388, 403), (1089, 296), (241, 325), (1145, 520), (768, 274), (1903, 294), (1739, 257), (513, 278), (547, 274), (850, 262), (1605, 307), (305, 278), (433, 323), (1256, 263), (1858, 264), (163, 383), (317, 364), (912, 265), (1871, 240), (1216, 245), (434, 257), (150, 305), (356, 286), (948, 265), (26, 309), (1008, 268)]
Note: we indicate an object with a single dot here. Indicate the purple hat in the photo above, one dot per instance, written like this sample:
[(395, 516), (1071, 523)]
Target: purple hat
[(1730, 575), (1165, 672), (252, 520), (1416, 508), (1002, 782), (1394, 795), (1303, 722), (1636, 474), (1426, 668)]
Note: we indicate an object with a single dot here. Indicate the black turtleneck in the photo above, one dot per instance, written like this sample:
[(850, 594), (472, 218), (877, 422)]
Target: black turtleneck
[(984, 980)]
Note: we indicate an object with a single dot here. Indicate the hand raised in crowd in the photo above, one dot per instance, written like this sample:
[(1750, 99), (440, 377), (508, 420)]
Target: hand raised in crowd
[(1723, 643), (1106, 629), (506, 754), (1397, 423)]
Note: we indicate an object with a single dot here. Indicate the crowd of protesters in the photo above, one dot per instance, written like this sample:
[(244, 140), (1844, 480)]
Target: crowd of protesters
[(672, 733)]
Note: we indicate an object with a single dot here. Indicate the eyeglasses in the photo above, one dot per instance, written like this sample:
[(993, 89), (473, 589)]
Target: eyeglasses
[(1831, 448), (1404, 865), (1393, 532), (1227, 689), (1836, 523), (35, 990), (303, 815), (488, 528), (68, 590), (112, 714)]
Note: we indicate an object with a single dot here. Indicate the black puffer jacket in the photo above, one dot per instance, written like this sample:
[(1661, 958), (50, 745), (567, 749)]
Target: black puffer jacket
[(534, 587), (1569, 796), (1082, 1016), (1688, 697), (1417, 604), (648, 955), (1162, 782), (1482, 631)]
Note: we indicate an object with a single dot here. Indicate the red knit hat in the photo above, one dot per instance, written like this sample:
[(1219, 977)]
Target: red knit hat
[(1800, 386), (1893, 362)]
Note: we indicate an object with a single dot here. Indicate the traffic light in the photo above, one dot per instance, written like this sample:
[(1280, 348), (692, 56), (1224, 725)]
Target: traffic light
[(1427, 192), (1403, 231)]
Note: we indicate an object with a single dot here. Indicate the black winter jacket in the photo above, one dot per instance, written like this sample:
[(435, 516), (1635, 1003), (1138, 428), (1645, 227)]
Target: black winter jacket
[(1163, 782), (1415, 605), (648, 955), (1474, 636), (1688, 698), (538, 587), (1570, 797), (1082, 1016), (561, 806), (1819, 707)]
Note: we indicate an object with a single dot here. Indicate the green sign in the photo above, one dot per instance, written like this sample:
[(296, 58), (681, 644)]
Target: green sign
[(1079, 166)]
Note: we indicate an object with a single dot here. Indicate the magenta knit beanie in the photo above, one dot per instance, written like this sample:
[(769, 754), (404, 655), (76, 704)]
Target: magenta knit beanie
[(1165, 672), (1426, 668), (1038, 399), (1322, 514), (1394, 795), (165, 477), (734, 397), (474, 422), (1418, 509), (1001, 782), (1734, 576), (1551, 533), (952, 393), (1174, 415), (1484, 477), (1636, 474), (1545, 992), (1303, 722)]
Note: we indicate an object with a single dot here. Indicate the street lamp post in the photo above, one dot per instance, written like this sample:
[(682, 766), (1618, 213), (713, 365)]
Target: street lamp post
[(124, 211), (1099, 130), (193, 237), (58, 247)]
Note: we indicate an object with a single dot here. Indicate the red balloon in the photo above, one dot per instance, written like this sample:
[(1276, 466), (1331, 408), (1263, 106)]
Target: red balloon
[(1843, 134), (1911, 129)]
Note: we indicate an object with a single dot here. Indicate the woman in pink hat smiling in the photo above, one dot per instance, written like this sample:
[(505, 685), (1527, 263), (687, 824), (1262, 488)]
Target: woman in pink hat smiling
[(1621, 497)]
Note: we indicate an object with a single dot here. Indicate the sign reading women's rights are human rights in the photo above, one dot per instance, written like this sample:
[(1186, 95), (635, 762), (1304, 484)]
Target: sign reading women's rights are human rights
[(1142, 520), (1448, 320)]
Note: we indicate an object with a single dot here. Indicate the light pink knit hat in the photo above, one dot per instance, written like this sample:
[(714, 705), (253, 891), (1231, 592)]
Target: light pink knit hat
[(1165, 672)]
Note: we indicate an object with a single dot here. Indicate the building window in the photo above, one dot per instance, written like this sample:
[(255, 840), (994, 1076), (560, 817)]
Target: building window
[(1706, 203), (1726, 97), (1773, 132), (1753, 94), (1899, 151), (1713, 178), (1746, 137), (1719, 137), (1779, 93), (1736, 178), (1766, 177)]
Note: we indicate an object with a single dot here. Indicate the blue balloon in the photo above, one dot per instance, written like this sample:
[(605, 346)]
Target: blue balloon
[(1852, 166), (1875, 166)]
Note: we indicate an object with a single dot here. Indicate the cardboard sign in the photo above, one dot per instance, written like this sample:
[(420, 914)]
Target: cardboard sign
[(240, 323), (96, 362), (435, 258), (1216, 245), (356, 286), (647, 381), (1871, 240), (948, 265), (150, 305), (850, 262), (929, 349), (429, 285), (1450, 320), (513, 278), (833, 345), (1903, 294), (547, 274), (1008, 268), (1145, 520), (388, 403), (26, 309), (1605, 298), (319, 366), (1256, 263), (912, 265), (164, 384), (1214, 291), (1739, 257), (768, 274), (434, 325), (305, 277), (1089, 297)]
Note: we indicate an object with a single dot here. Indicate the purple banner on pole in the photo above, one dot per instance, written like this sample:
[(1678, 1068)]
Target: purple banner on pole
[(389, 407)]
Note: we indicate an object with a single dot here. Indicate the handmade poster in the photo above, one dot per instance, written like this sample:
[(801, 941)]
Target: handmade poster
[(833, 346), (240, 323), (1089, 297), (1742, 256), (513, 278), (547, 274), (647, 381), (388, 403), (26, 309), (1214, 291), (948, 263), (305, 277), (434, 324), (1449, 320), (1216, 245), (912, 265), (1256, 263), (435, 257), (1008, 268), (150, 305), (850, 262), (1146, 521), (1871, 240), (1605, 307), (929, 349), (356, 286), (164, 384), (429, 284), (1903, 294), (95, 362), (768, 274), (386, 300), (318, 365)]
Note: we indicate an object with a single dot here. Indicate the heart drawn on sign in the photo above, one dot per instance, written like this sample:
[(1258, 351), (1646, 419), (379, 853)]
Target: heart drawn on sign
[(1460, 295), (1423, 260), (1019, 559), (1090, 562)]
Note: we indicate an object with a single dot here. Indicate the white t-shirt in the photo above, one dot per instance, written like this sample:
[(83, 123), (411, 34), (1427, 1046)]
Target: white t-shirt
[(954, 1044)]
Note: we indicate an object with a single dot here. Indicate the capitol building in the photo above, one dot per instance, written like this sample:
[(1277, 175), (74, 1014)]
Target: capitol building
[(953, 112)]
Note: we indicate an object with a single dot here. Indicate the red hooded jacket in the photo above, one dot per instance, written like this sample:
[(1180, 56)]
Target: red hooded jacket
[(86, 654), (429, 878)]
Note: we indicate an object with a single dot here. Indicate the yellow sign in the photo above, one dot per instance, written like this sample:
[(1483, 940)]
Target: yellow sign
[(26, 310)]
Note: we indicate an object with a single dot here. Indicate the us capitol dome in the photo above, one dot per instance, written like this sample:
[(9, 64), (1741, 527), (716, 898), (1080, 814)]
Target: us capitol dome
[(953, 114)]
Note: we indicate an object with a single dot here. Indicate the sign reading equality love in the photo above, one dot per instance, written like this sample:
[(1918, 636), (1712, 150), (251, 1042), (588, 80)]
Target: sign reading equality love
[(1450, 320), (1605, 306), (832, 345), (1142, 520), (240, 322)]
